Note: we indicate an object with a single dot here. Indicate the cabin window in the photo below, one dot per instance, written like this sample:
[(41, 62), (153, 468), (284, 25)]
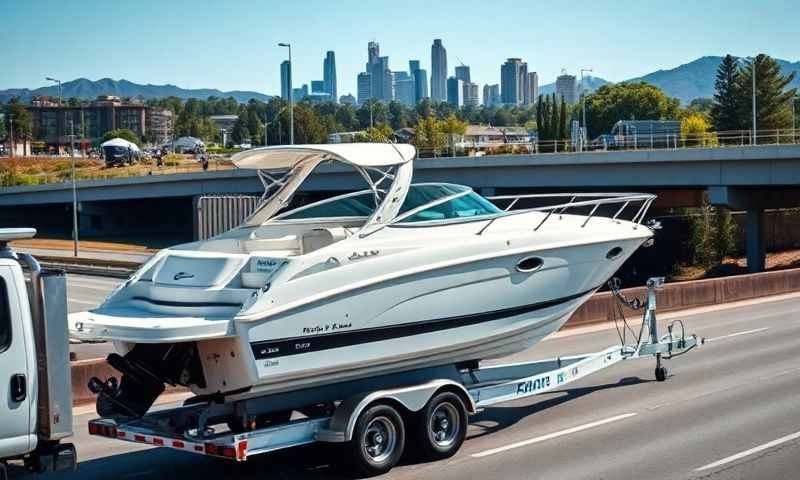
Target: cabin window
[(5, 317), (352, 206), (469, 205)]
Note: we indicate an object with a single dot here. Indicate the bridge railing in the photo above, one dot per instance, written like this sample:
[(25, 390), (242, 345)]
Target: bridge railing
[(636, 141)]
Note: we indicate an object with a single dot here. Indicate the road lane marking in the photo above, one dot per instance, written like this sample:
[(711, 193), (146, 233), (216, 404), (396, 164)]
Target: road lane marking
[(737, 334), (760, 448), (550, 436)]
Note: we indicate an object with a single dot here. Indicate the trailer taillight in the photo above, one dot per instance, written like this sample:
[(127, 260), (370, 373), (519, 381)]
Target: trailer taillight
[(102, 430)]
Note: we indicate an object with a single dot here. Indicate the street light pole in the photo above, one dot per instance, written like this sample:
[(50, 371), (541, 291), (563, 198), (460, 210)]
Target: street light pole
[(74, 191), (291, 101), (583, 103), (755, 134), (59, 87)]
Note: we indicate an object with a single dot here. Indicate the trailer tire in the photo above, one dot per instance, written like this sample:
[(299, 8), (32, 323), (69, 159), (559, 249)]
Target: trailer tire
[(378, 441), (441, 427)]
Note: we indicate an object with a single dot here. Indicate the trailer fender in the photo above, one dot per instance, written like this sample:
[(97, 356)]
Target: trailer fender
[(413, 398)]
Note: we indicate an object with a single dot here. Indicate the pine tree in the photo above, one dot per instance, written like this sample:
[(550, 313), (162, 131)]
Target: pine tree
[(554, 118), (773, 103), (539, 119), (725, 109)]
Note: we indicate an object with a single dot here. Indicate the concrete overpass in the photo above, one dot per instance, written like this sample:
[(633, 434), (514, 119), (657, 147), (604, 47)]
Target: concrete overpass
[(750, 178)]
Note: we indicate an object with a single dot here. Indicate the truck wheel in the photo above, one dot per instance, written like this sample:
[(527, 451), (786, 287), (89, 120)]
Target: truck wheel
[(441, 427), (378, 441)]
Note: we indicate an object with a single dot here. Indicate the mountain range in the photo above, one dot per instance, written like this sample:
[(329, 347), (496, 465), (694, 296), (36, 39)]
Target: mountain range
[(88, 89), (685, 82)]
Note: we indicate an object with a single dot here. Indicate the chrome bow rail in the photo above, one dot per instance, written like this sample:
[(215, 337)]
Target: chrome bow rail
[(576, 200)]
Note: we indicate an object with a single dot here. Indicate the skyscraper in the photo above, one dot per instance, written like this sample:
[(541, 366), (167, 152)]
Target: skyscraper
[(438, 71), (420, 85), (533, 86), (455, 92), (373, 52), (471, 97), (318, 86), (566, 87), (413, 66), (329, 74), (286, 79), (462, 73), (491, 95), (404, 88), (523, 84), (364, 88), (511, 81)]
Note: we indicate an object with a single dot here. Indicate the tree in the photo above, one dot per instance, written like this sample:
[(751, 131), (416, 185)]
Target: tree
[(539, 116), (428, 137), (124, 134), (451, 127), (723, 238), (563, 131), (627, 101), (22, 124), (3, 131), (773, 101), (725, 108), (240, 133), (553, 130), (379, 134), (694, 131), (255, 126)]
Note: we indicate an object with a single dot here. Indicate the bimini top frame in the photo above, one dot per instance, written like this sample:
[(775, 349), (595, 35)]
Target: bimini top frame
[(282, 169)]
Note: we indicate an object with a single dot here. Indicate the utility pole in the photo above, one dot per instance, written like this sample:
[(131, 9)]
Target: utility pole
[(51, 79), (74, 191), (11, 132), (583, 106), (755, 135), (291, 101)]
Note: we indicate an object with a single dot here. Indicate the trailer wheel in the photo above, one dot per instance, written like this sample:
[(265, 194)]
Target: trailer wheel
[(378, 441), (441, 426)]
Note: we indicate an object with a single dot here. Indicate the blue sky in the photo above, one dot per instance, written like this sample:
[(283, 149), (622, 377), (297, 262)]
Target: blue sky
[(231, 44)]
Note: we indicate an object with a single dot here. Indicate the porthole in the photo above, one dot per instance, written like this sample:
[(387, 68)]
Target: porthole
[(529, 264), (614, 253)]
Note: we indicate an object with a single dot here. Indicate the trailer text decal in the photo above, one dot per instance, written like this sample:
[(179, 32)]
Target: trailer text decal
[(533, 385)]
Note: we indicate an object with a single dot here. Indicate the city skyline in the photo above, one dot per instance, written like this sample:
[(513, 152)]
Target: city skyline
[(164, 52)]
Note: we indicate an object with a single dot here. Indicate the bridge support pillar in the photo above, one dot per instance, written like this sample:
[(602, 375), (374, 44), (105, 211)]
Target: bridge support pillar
[(754, 232)]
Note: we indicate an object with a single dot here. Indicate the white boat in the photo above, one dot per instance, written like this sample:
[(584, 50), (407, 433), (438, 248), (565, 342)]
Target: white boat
[(397, 277)]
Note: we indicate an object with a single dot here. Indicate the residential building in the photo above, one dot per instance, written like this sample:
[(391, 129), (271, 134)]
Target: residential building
[(566, 87), (533, 86), (462, 73), (483, 136), (286, 79), (471, 97), (298, 94), (160, 123), (55, 124), (491, 95), (364, 88), (455, 92), (420, 85), (329, 75), (348, 99), (513, 81), (438, 71)]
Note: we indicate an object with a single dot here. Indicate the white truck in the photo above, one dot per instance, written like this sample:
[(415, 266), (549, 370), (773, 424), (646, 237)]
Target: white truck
[(35, 383)]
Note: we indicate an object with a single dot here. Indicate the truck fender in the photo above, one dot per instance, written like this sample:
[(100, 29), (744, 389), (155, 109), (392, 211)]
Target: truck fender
[(413, 398)]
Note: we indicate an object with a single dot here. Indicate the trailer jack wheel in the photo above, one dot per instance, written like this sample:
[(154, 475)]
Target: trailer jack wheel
[(661, 373), (378, 441)]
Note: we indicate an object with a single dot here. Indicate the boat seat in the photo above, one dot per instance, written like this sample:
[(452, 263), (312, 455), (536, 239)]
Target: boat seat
[(287, 243), (322, 237)]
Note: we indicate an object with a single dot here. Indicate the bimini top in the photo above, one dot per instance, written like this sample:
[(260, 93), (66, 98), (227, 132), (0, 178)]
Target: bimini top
[(284, 157)]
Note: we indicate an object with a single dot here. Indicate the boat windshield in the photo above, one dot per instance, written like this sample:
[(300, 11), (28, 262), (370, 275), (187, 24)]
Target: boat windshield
[(362, 204)]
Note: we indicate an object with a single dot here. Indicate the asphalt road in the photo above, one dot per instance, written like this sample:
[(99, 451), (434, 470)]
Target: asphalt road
[(85, 292), (731, 410)]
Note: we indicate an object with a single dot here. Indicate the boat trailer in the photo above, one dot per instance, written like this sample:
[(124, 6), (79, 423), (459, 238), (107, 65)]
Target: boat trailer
[(376, 421)]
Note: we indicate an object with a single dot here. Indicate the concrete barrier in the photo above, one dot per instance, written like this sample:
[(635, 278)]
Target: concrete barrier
[(601, 308)]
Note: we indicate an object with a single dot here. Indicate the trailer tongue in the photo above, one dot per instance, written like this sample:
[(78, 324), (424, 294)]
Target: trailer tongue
[(376, 415)]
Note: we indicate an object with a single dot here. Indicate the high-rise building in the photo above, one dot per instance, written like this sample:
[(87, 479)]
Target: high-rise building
[(513, 81), (364, 89), (455, 92), (420, 85), (462, 73), (491, 95), (413, 66), (471, 97), (438, 71), (380, 75), (566, 88), (533, 87), (373, 52), (404, 89), (387, 86), (299, 94), (286, 79), (329, 74), (318, 86)]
